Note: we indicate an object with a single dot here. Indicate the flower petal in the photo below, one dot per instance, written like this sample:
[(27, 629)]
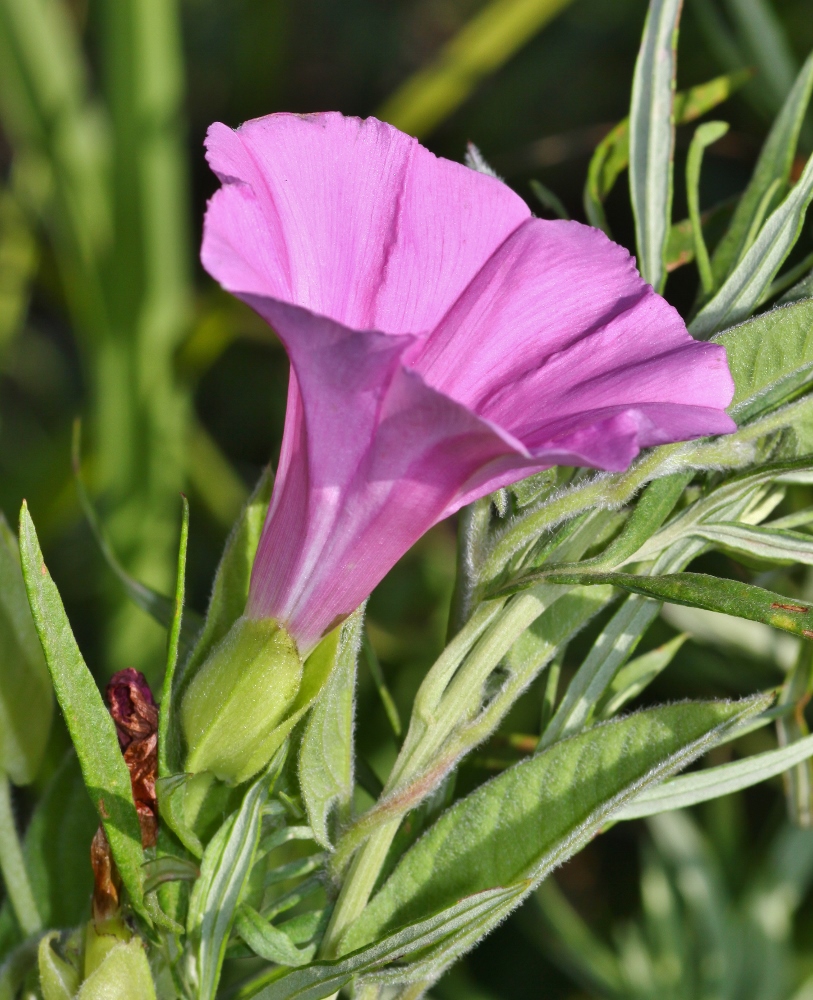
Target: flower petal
[(558, 322), (350, 219), (372, 457)]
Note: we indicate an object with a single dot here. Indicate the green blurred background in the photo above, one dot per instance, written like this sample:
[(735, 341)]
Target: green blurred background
[(106, 314)]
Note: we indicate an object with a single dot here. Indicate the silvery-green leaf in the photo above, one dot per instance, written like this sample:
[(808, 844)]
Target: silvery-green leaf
[(268, 941), (772, 545), (325, 978), (705, 135), (610, 650), (712, 782), (636, 675), (747, 284), (93, 733), (774, 163), (517, 827), (652, 137), (224, 869), (26, 698), (770, 357)]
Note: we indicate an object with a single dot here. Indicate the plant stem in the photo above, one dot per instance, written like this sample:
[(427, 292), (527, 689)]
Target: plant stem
[(12, 866)]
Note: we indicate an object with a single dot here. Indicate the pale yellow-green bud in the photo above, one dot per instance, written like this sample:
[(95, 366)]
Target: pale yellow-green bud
[(114, 966), (243, 691)]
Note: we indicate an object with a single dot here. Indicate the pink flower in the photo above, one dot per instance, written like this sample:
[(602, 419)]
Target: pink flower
[(443, 343)]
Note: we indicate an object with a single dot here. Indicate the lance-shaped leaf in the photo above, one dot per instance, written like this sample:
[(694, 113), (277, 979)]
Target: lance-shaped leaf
[(268, 941), (750, 280), (93, 733), (690, 789), (774, 164), (224, 869), (611, 156), (514, 829), (699, 590), (770, 544), (652, 137), (26, 699), (631, 679), (770, 357), (326, 754), (324, 979), (169, 755)]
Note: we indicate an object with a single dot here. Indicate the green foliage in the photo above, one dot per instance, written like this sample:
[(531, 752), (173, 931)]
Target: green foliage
[(651, 140), (326, 754), (519, 826), (26, 701), (106, 776)]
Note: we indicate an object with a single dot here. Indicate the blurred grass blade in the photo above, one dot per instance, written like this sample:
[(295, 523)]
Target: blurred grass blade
[(159, 607), (745, 289), (705, 135), (611, 156), (652, 138), (633, 678), (487, 41), (765, 42), (801, 290), (711, 783), (93, 733), (774, 164), (167, 715), (698, 590), (13, 870)]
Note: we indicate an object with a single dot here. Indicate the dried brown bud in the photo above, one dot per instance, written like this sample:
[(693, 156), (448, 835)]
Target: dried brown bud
[(136, 716), (106, 880)]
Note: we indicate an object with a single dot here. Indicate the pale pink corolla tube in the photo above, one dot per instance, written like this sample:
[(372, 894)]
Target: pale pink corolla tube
[(443, 343)]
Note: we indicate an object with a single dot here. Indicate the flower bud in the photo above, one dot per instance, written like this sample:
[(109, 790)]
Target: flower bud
[(238, 697)]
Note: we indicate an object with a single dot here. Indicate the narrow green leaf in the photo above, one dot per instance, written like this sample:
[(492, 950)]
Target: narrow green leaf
[(93, 733), (517, 827), (611, 156), (13, 868), (224, 869), (789, 280), (548, 199), (168, 724), (614, 645), (631, 679), (652, 137), (233, 576), (792, 728), (55, 850), (26, 698), (706, 134), (391, 709), (326, 753), (774, 163), (772, 545), (712, 782), (268, 941), (323, 979), (168, 868), (801, 290), (698, 590), (770, 357), (745, 288)]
